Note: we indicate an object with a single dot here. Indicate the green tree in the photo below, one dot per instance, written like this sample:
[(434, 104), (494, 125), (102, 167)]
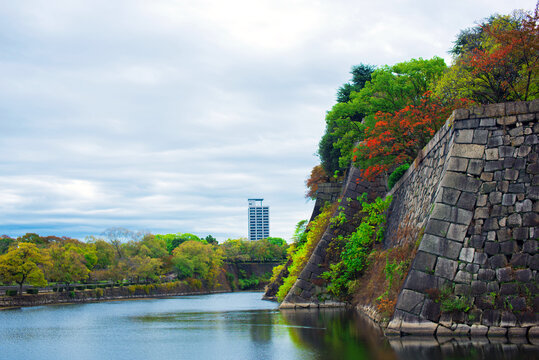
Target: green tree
[(198, 260), (68, 264), (23, 264)]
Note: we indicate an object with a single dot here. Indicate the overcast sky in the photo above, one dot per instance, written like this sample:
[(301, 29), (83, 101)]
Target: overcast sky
[(167, 115)]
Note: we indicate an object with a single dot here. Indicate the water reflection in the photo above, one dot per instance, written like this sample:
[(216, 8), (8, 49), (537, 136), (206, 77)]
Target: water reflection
[(340, 334), (236, 326)]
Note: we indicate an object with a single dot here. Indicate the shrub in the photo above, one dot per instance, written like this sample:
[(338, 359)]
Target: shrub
[(80, 287), (32, 291), (98, 293), (91, 287), (396, 175), (72, 294), (11, 292), (194, 283)]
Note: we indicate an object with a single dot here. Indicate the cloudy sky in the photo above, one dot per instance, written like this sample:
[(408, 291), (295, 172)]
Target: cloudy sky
[(167, 115)]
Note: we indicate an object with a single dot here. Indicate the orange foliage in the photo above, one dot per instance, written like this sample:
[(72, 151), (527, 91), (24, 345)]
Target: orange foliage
[(397, 137), (318, 176)]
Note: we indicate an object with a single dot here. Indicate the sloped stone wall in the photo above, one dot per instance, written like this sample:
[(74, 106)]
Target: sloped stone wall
[(304, 293), (481, 231)]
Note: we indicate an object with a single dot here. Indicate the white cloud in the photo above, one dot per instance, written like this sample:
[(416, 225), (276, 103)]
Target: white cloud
[(167, 115)]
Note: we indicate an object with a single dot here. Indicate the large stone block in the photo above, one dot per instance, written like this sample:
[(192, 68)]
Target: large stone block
[(440, 246), (467, 254), (420, 281), (486, 274), (460, 182), (424, 261), (471, 151), (410, 301), (437, 227), (457, 232), (446, 268)]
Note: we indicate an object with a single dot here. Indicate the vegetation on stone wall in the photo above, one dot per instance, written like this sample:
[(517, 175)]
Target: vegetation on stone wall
[(301, 250), (356, 248)]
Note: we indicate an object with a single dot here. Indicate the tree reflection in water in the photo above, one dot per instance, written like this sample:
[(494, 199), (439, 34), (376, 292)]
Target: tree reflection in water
[(344, 334)]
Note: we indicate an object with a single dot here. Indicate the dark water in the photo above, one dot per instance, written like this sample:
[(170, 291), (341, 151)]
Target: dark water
[(223, 326)]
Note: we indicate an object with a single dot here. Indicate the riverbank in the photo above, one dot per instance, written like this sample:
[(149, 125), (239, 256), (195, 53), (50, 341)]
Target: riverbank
[(178, 288)]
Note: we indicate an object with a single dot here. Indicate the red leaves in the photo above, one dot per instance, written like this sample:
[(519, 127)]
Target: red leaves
[(396, 138)]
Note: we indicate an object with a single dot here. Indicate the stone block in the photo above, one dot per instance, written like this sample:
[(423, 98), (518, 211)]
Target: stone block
[(480, 258), (410, 301), (523, 151), (475, 167), (467, 254), (504, 274), (514, 220), (524, 206), (530, 247), (484, 302), (463, 277), (420, 281), (530, 219), (519, 260), (510, 174), (480, 136), (424, 261), (466, 124), (509, 289), (446, 268), (523, 275), (450, 196), (462, 289), (478, 288), (533, 262), (488, 187), (481, 213), (490, 317), (478, 330), (457, 232), (506, 151), (509, 199), (518, 304), (508, 319), (497, 261), (470, 151), (492, 248), (517, 334), (508, 247), (437, 227), (440, 246), (460, 182), (495, 331), (477, 241), (495, 197), (504, 234), (467, 201), (491, 154), (457, 164), (464, 136), (431, 310), (486, 274)]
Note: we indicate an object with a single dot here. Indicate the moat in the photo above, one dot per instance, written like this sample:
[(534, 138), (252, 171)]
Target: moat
[(219, 326)]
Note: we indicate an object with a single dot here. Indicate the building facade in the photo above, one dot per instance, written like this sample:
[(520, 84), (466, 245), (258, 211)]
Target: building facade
[(258, 220)]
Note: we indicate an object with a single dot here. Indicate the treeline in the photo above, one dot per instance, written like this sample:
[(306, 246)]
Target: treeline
[(124, 256), (384, 115)]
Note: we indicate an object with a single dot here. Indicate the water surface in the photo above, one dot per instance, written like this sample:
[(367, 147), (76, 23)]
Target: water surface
[(222, 326)]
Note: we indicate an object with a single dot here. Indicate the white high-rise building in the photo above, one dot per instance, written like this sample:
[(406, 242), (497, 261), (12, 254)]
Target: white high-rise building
[(258, 223)]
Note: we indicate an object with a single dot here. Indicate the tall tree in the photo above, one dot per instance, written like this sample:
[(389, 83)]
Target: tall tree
[(23, 264)]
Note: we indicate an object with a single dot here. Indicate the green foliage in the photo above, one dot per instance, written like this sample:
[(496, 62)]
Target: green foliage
[(22, 264), (32, 291), (174, 240), (300, 253), (456, 303), (241, 250), (194, 259), (11, 292), (357, 247), (396, 175)]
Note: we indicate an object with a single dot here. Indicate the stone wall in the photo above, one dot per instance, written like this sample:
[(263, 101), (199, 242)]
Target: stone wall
[(480, 228), (329, 191), (304, 293), (471, 202)]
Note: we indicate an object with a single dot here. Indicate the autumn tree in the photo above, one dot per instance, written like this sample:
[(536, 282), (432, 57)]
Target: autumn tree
[(318, 176), (496, 61), (397, 137), (23, 264)]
